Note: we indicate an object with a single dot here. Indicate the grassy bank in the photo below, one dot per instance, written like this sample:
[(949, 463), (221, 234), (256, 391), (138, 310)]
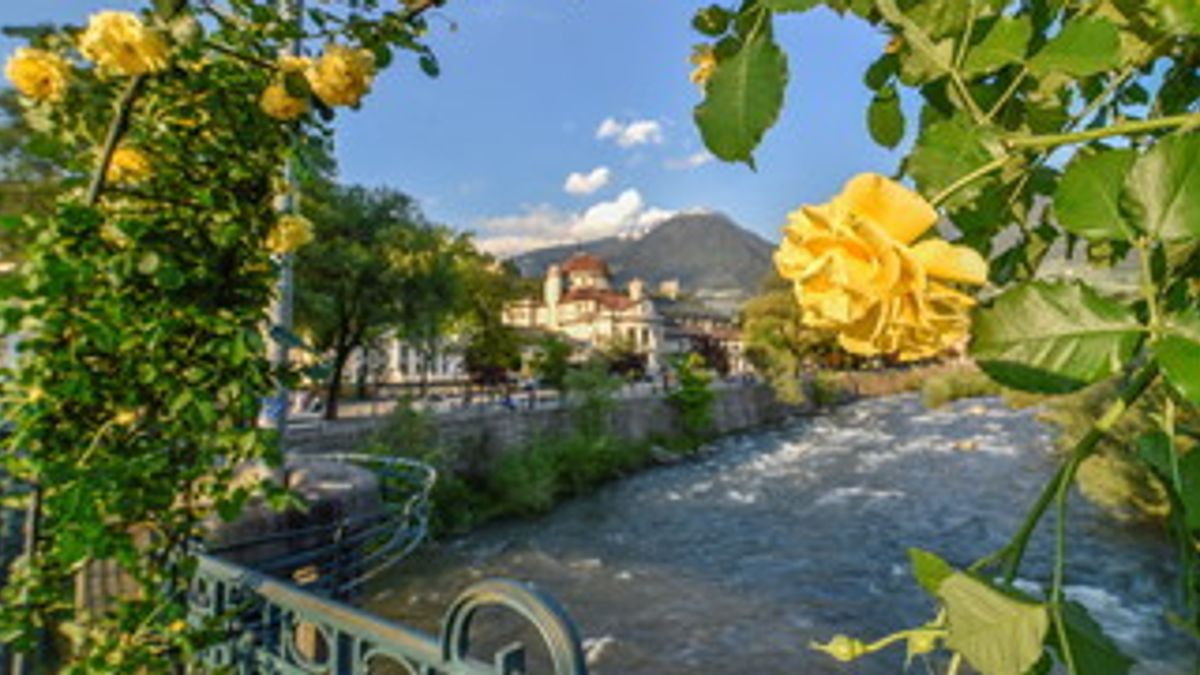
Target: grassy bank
[(530, 480)]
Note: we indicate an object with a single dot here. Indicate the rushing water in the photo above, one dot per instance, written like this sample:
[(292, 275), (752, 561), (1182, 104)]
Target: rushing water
[(733, 562)]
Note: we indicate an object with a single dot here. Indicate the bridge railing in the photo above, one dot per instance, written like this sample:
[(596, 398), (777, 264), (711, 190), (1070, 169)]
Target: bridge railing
[(275, 627)]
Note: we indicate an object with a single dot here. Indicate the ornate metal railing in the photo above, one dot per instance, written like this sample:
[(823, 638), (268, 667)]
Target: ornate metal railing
[(275, 627), (336, 557)]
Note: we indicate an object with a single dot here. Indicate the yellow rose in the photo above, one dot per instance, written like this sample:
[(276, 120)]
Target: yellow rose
[(276, 101), (128, 166), (291, 232), (37, 73), (705, 61), (342, 76), (118, 42), (856, 271)]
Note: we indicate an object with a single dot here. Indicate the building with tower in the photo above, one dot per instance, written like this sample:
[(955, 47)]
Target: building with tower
[(580, 303)]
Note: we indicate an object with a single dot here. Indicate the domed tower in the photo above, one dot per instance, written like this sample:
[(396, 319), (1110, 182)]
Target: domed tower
[(585, 270)]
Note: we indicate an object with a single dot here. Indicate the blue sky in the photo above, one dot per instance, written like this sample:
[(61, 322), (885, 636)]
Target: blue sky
[(527, 84)]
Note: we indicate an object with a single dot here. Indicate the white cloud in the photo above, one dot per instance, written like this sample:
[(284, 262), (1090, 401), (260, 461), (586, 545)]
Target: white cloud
[(587, 183), (627, 135), (544, 225), (692, 161)]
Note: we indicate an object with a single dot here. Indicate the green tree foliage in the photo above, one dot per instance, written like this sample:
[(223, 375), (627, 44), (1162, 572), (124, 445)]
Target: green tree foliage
[(693, 398), (431, 261), (778, 346), (493, 348), (1065, 123), (551, 361), (349, 287)]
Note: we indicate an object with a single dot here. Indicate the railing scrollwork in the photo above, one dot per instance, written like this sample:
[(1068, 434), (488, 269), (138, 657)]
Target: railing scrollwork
[(275, 627)]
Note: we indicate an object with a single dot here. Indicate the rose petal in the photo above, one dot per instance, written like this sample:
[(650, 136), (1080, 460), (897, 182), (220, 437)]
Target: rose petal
[(944, 260), (902, 213)]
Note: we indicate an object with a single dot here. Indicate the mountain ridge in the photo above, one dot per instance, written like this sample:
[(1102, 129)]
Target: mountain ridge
[(707, 253)]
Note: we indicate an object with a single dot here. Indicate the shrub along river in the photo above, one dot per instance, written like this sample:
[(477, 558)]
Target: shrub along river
[(734, 561)]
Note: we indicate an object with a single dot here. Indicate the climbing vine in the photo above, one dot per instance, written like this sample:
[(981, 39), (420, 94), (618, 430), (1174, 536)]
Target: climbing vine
[(142, 301), (1044, 125)]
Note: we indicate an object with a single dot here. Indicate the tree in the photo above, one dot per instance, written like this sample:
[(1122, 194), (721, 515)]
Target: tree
[(778, 345), (623, 359), (712, 353), (348, 286), (552, 361), (429, 261), (493, 348)]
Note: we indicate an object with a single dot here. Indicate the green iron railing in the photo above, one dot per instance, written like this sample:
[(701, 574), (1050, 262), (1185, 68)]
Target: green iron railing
[(278, 628), (275, 627)]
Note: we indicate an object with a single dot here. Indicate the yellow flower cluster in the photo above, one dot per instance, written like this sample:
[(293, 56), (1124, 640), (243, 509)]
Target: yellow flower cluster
[(856, 271), (119, 43), (128, 166), (291, 232), (342, 76), (276, 101), (705, 61), (37, 73)]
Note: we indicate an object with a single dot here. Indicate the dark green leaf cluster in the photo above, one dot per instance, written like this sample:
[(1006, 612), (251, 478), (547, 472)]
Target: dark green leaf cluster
[(141, 306), (1049, 134)]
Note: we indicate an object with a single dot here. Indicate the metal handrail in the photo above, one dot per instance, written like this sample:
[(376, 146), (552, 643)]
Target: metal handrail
[(355, 547), (273, 626)]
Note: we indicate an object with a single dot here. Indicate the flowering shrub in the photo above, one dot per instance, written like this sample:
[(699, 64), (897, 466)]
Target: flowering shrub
[(1060, 125), (142, 301)]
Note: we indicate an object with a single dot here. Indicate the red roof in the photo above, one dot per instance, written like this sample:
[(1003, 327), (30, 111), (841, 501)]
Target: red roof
[(585, 262), (601, 296)]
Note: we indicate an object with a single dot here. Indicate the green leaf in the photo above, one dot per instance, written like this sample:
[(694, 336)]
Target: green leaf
[(1164, 188), (929, 569), (1179, 17), (1084, 47), (1087, 200), (946, 151), (1189, 477), (712, 20), (1053, 337), (995, 633), (885, 120), (744, 97), (880, 72), (1178, 353), (1005, 43), (1092, 652), (791, 5)]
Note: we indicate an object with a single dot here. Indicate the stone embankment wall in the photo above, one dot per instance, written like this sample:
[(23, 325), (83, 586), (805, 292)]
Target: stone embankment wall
[(477, 436)]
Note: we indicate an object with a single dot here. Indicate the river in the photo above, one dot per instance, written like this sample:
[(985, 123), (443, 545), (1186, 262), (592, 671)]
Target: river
[(734, 561)]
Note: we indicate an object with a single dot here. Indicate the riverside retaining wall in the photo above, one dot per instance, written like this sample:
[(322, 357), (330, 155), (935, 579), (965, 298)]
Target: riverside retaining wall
[(478, 436)]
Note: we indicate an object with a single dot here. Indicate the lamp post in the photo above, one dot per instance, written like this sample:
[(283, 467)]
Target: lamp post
[(282, 310)]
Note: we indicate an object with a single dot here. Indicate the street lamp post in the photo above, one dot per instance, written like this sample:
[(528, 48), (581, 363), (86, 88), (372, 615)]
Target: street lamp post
[(282, 310)]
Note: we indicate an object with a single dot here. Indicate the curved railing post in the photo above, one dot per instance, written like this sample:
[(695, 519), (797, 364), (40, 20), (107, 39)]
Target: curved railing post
[(539, 609)]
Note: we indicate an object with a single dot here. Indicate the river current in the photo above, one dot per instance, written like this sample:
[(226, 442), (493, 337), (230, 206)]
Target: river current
[(734, 561)]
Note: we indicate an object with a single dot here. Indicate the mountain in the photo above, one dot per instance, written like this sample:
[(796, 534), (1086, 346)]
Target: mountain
[(709, 254)]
